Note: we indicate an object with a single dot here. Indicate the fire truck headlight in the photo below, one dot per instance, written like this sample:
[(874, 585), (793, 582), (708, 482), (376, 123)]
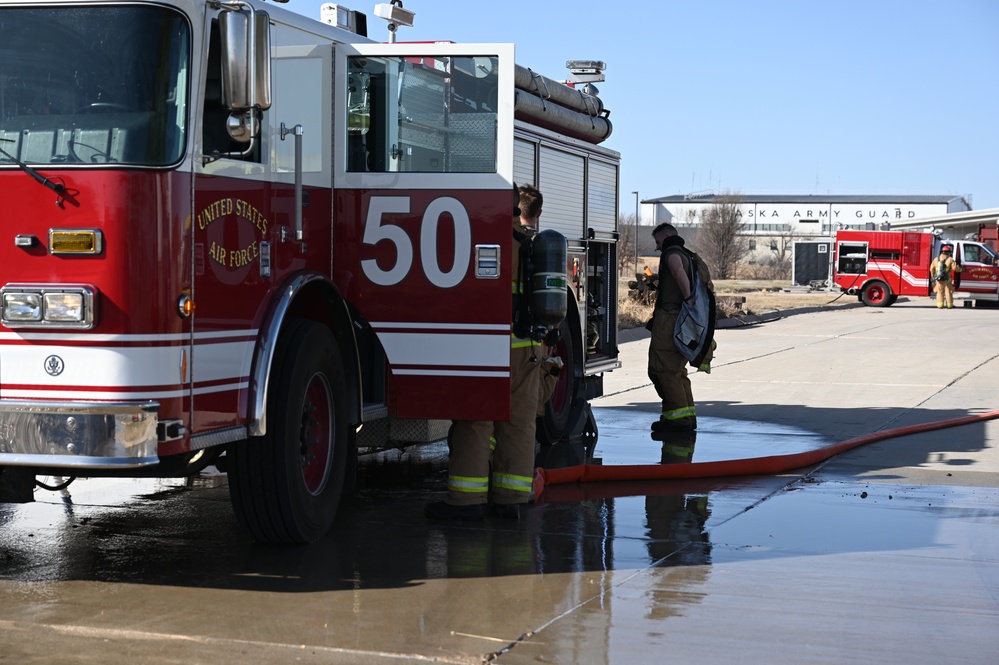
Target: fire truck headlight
[(56, 306), (22, 307), (64, 307)]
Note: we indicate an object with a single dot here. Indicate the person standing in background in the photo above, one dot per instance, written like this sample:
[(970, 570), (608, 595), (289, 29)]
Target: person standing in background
[(940, 271)]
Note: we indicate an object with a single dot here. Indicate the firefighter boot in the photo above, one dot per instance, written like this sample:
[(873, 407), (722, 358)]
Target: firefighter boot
[(687, 424)]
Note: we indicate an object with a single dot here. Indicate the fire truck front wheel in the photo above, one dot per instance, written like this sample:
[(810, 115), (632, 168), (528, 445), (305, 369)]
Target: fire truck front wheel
[(877, 294), (286, 485)]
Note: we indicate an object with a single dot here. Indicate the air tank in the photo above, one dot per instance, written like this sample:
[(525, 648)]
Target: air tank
[(548, 293)]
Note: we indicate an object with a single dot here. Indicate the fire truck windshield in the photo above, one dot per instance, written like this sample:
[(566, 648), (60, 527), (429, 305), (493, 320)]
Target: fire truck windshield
[(93, 85)]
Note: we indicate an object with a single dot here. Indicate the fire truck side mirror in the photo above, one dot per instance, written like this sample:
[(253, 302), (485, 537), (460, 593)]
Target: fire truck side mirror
[(246, 62)]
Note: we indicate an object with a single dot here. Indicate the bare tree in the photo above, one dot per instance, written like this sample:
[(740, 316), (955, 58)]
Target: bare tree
[(720, 239), (778, 264), (626, 244)]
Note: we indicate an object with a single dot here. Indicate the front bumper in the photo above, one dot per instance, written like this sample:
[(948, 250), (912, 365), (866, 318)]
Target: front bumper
[(99, 435)]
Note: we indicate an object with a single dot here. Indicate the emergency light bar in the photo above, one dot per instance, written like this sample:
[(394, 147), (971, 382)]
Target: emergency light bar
[(585, 66), (586, 71)]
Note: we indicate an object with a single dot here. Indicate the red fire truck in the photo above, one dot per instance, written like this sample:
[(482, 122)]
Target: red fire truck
[(879, 266), (240, 234)]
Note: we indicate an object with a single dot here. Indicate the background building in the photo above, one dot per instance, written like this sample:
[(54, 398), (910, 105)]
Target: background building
[(802, 227)]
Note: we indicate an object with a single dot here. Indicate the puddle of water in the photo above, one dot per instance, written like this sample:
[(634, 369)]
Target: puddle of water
[(647, 519), (626, 438)]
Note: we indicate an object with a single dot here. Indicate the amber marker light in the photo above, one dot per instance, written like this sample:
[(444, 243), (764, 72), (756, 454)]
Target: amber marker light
[(185, 306), (75, 241)]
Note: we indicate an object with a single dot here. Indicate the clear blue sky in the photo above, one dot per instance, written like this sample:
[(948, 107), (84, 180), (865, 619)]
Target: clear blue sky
[(765, 97)]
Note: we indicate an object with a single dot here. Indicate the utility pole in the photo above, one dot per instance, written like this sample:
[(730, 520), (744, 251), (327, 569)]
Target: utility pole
[(636, 230)]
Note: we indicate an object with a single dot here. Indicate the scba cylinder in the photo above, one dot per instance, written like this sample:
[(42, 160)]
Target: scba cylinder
[(548, 292)]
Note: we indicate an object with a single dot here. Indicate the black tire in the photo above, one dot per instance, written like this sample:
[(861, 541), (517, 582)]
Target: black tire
[(564, 410), (876, 294), (891, 300), (286, 486), (17, 484)]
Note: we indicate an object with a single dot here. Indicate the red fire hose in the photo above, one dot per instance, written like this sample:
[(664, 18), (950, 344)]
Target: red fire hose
[(753, 466)]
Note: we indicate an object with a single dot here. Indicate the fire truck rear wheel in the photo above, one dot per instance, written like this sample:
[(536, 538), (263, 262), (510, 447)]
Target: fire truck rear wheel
[(17, 484), (876, 294), (286, 485), (565, 409)]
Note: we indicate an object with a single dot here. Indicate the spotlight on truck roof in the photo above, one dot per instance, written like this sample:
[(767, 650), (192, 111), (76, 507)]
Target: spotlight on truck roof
[(343, 17), (394, 13)]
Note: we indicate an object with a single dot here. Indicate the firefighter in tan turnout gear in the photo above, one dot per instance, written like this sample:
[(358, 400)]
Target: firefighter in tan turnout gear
[(508, 445), (667, 366), (940, 271)]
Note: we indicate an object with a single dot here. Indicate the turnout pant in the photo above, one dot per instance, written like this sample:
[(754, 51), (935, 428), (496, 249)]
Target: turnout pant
[(668, 371), (512, 459), (945, 292)]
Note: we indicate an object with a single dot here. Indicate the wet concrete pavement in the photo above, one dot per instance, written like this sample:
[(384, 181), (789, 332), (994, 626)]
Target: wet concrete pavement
[(885, 554)]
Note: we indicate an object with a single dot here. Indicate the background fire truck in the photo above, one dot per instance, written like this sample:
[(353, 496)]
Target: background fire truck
[(251, 234), (988, 234), (879, 266)]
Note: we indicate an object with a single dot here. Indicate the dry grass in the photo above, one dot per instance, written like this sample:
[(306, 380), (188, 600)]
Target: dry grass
[(760, 297), (630, 313)]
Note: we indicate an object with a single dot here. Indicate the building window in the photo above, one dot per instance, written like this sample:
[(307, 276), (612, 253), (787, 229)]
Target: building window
[(773, 245), (752, 245)]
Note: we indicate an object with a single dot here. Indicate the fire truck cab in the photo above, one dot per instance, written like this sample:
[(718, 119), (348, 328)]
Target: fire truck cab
[(879, 266), (241, 234)]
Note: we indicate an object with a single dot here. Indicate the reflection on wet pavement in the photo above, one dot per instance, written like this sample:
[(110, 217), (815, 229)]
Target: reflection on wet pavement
[(626, 438), (624, 558), (147, 531), (152, 531)]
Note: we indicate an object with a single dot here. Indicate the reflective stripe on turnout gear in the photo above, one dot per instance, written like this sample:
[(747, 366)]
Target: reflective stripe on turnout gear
[(521, 343), (510, 463), (467, 485), (511, 482), (677, 414)]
